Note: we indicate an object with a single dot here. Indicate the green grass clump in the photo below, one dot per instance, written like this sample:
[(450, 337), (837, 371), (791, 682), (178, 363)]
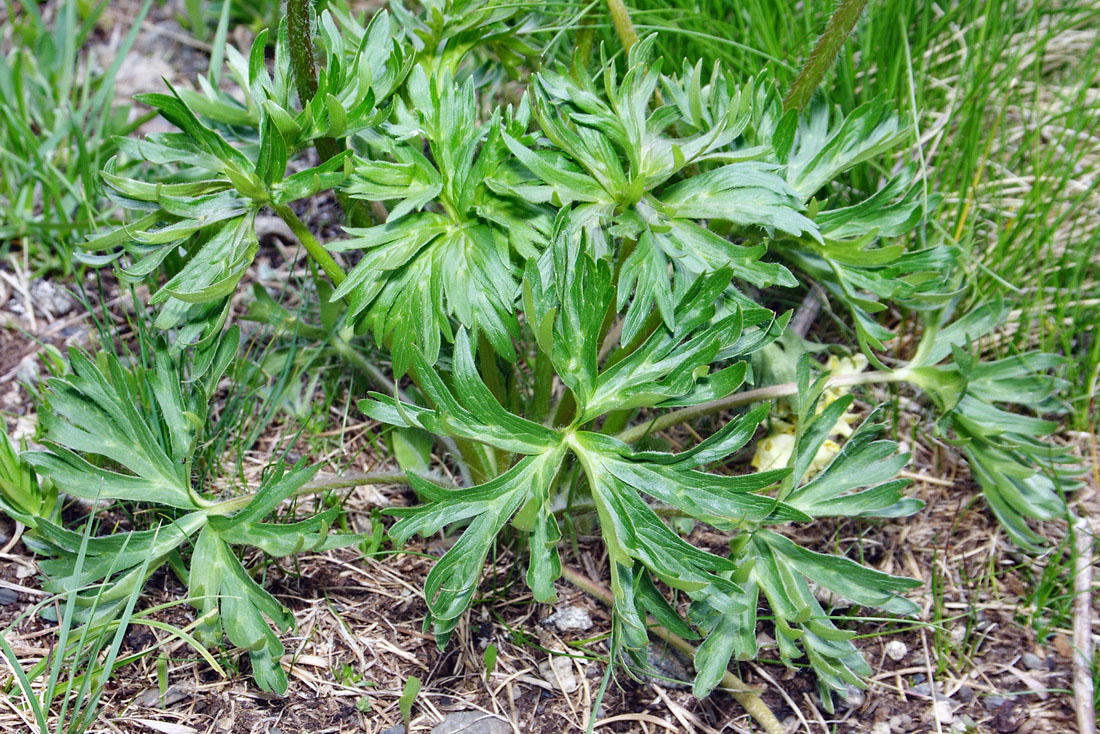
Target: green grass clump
[(56, 128)]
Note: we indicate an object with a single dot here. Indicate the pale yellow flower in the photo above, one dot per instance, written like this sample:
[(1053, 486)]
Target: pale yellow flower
[(774, 450)]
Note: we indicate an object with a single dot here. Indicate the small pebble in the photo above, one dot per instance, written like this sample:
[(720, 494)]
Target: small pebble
[(395, 729), (896, 650), (25, 426), (854, 697), (942, 710), (994, 702), (880, 727), (963, 724), (901, 723), (917, 678), (28, 370), (965, 694), (570, 619), (51, 299), (7, 596), (922, 689), (1032, 661), (152, 698), (558, 672), (472, 722)]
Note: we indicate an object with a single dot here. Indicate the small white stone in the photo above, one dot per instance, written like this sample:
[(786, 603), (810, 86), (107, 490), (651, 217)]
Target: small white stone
[(880, 727), (557, 670), (570, 619), (957, 634), (29, 370), (51, 299), (24, 428), (943, 712), (896, 650), (854, 697)]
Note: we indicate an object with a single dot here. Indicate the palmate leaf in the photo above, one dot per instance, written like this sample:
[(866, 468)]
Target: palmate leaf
[(860, 481), (447, 248), (627, 487), (669, 367), (93, 412), (770, 564), (615, 160), (130, 434), (202, 228), (454, 35), (991, 413), (849, 258), (229, 159), (825, 143), (781, 570), (362, 69), (618, 479)]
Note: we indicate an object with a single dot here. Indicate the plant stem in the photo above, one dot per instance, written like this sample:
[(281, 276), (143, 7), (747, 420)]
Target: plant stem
[(685, 415), (828, 46), (620, 18), (544, 386), (304, 71), (490, 371), (316, 486), (1083, 686), (744, 694), (319, 254), (304, 67)]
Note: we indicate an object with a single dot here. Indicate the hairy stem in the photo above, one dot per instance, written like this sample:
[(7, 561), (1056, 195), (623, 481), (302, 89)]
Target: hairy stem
[(304, 67), (840, 26), (304, 70), (620, 18), (744, 694), (686, 415), (316, 251)]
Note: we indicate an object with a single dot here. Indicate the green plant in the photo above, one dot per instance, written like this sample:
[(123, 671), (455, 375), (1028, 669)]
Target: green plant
[(558, 280), (1000, 73), (131, 436), (22, 496), (80, 665)]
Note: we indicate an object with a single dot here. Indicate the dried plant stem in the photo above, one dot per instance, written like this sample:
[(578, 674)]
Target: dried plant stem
[(840, 26), (686, 415), (744, 694), (1083, 693)]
